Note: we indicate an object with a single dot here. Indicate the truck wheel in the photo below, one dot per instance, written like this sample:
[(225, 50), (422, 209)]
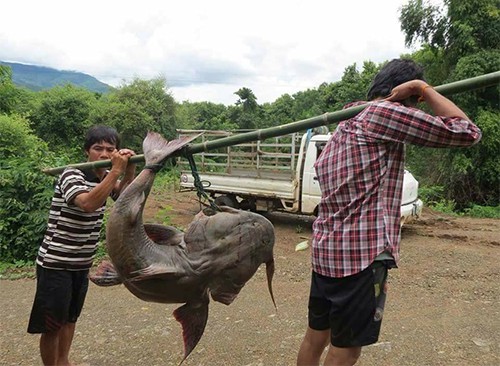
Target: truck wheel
[(229, 201), (248, 204)]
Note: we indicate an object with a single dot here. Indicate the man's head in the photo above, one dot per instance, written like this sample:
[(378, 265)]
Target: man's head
[(100, 133), (100, 142), (394, 73)]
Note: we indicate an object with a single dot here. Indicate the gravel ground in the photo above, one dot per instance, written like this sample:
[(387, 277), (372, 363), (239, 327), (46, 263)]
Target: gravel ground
[(443, 306)]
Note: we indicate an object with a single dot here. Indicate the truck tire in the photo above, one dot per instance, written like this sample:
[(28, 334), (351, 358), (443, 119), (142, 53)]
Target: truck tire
[(248, 204), (229, 201)]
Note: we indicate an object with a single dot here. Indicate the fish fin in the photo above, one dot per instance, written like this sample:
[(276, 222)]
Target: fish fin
[(105, 275), (225, 298), (193, 321), (270, 274), (154, 271), (163, 235), (157, 149)]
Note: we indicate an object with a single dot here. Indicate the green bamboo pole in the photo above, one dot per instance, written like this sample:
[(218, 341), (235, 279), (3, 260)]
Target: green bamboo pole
[(478, 82)]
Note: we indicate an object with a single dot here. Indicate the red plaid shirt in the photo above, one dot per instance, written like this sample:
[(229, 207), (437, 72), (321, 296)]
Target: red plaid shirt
[(360, 172)]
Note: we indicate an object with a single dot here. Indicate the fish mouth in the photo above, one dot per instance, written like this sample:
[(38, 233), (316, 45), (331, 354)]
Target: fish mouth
[(225, 298)]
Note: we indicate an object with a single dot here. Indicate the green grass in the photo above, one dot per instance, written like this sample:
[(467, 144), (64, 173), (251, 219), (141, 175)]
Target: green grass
[(434, 198), (167, 180), (17, 270), (490, 212)]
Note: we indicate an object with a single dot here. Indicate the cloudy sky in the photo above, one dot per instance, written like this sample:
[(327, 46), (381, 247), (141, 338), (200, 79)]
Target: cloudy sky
[(206, 50)]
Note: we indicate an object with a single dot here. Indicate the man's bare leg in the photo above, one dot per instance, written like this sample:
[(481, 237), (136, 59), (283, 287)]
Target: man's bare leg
[(342, 356), (49, 348), (66, 334), (312, 347)]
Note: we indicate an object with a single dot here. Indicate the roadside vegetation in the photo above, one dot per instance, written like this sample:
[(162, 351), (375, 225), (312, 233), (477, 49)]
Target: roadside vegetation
[(45, 128)]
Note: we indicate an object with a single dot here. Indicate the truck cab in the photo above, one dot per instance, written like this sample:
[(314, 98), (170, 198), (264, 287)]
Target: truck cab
[(411, 205)]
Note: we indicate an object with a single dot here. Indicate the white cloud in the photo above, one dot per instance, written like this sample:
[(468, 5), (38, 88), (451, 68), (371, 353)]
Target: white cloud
[(206, 50)]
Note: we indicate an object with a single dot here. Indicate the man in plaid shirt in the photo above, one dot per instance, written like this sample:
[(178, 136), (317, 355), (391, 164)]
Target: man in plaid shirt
[(357, 232)]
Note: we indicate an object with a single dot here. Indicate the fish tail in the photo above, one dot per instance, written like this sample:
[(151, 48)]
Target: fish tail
[(270, 274), (193, 321), (157, 149)]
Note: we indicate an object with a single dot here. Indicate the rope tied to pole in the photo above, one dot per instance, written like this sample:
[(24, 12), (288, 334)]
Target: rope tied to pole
[(198, 184), (154, 167)]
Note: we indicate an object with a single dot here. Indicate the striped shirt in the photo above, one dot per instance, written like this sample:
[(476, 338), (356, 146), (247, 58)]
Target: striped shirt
[(360, 172), (70, 241)]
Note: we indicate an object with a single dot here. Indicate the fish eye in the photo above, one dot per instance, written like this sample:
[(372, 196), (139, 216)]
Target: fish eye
[(209, 211)]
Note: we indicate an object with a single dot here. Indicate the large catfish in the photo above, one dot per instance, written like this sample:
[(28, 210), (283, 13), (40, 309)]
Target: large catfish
[(218, 254)]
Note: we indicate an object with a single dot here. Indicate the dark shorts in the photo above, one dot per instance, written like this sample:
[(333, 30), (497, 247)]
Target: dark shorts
[(351, 307), (59, 299)]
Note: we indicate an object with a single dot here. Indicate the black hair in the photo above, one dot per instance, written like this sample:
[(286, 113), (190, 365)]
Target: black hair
[(394, 73), (100, 133)]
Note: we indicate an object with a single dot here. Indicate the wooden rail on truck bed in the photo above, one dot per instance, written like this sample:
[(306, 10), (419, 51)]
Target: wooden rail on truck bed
[(270, 158)]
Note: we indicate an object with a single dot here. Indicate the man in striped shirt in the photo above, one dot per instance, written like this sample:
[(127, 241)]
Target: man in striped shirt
[(69, 245), (357, 232)]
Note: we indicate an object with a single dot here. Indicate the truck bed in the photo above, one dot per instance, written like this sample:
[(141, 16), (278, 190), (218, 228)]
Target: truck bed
[(260, 168), (259, 174), (281, 187)]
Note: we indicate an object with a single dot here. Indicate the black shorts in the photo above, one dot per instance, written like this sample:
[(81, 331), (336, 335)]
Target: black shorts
[(351, 307), (59, 299)]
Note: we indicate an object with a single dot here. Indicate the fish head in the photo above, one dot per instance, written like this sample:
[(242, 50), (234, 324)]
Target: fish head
[(233, 244), (230, 230)]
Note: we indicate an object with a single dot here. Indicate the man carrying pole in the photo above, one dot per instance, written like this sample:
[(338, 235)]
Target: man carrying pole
[(356, 235), (69, 245)]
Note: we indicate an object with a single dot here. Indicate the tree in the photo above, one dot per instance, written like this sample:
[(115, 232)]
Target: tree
[(280, 111), (352, 87), (307, 103), (10, 95), (203, 116), (465, 27), (434, 63), (247, 99), (25, 191), (136, 108), (460, 41), (247, 114), (61, 117), (473, 26), (421, 21)]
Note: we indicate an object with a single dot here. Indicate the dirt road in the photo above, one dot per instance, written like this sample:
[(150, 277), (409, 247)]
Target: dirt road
[(443, 306)]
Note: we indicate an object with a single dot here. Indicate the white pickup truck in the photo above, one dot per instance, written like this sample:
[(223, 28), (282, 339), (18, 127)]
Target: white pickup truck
[(276, 174)]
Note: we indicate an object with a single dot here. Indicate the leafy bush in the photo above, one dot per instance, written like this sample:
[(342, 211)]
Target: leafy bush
[(102, 250), (61, 116), (445, 206), (16, 270), (435, 198), (25, 191), (166, 180), (490, 212), (431, 194), (163, 216)]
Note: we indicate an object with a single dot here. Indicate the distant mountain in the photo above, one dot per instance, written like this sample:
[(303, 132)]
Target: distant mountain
[(39, 78)]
